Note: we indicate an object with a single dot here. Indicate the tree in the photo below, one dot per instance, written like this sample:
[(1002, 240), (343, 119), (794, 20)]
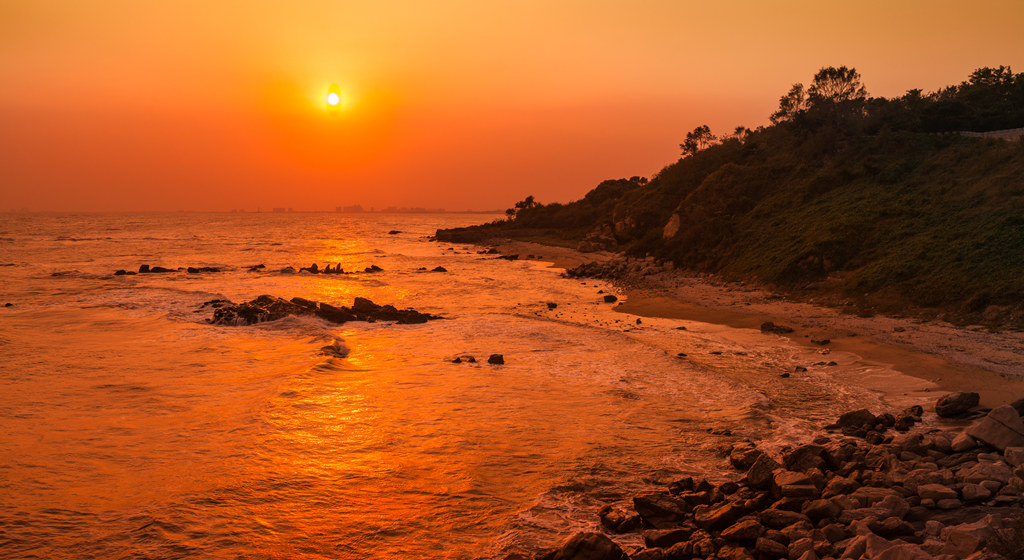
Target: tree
[(791, 104), (836, 85), (697, 140)]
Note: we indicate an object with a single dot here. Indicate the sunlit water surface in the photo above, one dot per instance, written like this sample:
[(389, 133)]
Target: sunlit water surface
[(132, 429)]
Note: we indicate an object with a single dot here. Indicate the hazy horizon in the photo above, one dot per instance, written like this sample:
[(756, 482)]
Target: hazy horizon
[(457, 105)]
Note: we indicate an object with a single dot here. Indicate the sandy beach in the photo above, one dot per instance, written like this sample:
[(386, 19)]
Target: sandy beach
[(952, 358)]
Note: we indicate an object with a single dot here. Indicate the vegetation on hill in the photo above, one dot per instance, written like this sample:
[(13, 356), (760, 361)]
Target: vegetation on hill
[(877, 203)]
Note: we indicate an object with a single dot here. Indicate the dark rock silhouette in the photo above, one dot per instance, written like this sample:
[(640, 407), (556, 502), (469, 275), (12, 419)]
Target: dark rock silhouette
[(770, 327), (496, 359), (270, 308)]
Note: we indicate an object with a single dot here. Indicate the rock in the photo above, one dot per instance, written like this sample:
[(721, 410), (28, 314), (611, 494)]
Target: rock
[(962, 442), (649, 554), (948, 503), (839, 485), (732, 552), (589, 546), (552, 305), (760, 474), (857, 419), (496, 359), (269, 308), (1014, 456), (982, 471), (746, 529), (804, 457), (770, 327), (660, 510), (1018, 405), (975, 492), (906, 551), (201, 269), (439, 269), (121, 272), (1001, 428), (964, 539), (770, 548), (936, 492), (143, 268), (743, 455), (664, 538), (799, 547), (778, 519), (608, 298), (820, 341), (716, 517), (955, 404), (821, 509), (394, 232)]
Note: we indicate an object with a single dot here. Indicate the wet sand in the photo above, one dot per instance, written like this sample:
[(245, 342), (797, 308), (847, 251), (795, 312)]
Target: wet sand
[(952, 358)]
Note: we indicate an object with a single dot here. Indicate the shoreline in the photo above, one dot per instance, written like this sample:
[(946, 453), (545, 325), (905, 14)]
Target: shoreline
[(955, 359)]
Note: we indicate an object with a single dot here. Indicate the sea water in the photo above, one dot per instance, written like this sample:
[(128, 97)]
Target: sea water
[(132, 428)]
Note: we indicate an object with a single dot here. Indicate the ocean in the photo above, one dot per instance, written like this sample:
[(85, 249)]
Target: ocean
[(132, 428)]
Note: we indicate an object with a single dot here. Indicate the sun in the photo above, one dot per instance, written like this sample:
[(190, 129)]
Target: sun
[(333, 97)]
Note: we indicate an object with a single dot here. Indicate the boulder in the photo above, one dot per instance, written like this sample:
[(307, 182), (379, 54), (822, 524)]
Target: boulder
[(439, 269), (746, 529), (804, 457), (717, 517), (936, 492), (608, 298), (664, 538), (1001, 428), (982, 471), (956, 404), (770, 327), (760, 474), (496, 359), (743, 455), (660, 510), (962, 442), (857, 419), (770, 548), (589, 546), (778, 518)]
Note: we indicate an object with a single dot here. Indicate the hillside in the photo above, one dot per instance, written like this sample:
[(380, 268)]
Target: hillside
[(880, 204)]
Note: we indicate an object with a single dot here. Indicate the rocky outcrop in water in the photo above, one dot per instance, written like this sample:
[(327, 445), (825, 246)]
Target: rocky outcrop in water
[(855, 491), (269, 308)]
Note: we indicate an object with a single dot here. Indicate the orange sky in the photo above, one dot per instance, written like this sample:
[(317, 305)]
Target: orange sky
[(120, 105)]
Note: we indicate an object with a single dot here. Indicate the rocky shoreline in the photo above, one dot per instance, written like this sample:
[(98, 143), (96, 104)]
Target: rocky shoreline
[(885, 486)]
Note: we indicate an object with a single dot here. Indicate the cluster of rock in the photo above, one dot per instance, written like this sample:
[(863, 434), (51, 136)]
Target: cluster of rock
[(626, 271), (493, 359), (146, 269), (854, 492), (269, 308), (327, 269)]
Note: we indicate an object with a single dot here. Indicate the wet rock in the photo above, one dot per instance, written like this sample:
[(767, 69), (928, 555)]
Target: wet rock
[(804, 457), (746, 529), (857, 419), (733, 552), (770, 327), (760, 474), (779, 519), (770, 548), (589, 546), (963, 442), (201, 269), (717, 517), (936, 492), (664, 538), (660, 510), (255, 267), (608, 298), (743, 455), (439, 269), (956, 404), (373, 268), (269, 308), (552, 305), (1001, 428), (123, 272), (496, 359), (394, 232)]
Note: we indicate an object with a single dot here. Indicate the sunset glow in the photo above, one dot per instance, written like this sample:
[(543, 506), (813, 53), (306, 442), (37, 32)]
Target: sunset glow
[(192, 106)]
